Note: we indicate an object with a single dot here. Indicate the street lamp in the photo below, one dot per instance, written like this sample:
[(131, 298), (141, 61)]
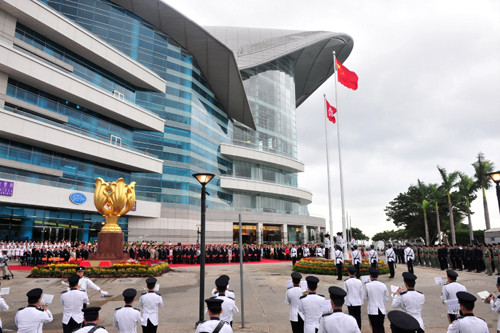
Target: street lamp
[(495, 176), (204, 179)]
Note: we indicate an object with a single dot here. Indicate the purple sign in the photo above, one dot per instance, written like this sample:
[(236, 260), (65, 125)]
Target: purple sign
[(6, 188)]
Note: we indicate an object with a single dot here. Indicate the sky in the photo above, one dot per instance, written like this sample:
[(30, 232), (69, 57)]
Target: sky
[(429, 95)]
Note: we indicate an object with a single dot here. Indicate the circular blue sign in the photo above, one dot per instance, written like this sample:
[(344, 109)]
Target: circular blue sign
[(77, 198)]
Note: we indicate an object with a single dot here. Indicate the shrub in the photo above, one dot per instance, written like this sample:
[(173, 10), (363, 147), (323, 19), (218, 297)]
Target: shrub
[(327, 266)]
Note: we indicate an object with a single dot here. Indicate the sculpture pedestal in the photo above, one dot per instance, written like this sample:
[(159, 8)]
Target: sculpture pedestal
[(110, 247)]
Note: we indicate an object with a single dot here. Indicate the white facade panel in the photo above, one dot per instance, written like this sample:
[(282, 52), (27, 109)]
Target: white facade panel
[(59, 198), (27, 130)]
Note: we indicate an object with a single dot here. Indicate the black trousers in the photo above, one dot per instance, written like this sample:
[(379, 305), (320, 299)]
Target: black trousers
[(297, 326), (150, 328), (327, 253), (377, 322), (409, 263), (451, 317), (374, 264), (355, 311), (391, 269), (339, 271), (358, 272), (71, 326)]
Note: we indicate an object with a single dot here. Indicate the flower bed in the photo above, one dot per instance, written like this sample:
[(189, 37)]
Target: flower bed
[(327, 266), (122, 269)]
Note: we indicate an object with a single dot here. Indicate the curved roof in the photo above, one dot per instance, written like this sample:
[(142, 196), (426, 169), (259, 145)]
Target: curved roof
[(216, 61), (311, 51)]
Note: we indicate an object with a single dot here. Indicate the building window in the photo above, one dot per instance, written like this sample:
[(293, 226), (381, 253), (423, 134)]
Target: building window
[(118, 94), (115, 140)]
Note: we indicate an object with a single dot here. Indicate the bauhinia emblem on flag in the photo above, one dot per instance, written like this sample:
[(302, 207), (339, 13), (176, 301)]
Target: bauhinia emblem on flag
[(330, 111), (346, 77)]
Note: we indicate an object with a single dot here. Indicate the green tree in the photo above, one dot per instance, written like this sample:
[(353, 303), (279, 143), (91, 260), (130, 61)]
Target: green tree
[(358, 234), (449, 182), (481, 167), (390, 235), (436, 194), (424, 205), (466, 189)]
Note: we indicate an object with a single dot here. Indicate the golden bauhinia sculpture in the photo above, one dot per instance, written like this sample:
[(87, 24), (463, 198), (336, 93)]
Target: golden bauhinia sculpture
[(113, 200)]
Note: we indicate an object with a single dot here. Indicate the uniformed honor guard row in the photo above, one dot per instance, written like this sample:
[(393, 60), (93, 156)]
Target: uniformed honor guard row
[(311, 313)]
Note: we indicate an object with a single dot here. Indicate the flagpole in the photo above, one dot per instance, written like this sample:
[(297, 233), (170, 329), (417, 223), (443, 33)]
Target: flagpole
[(340, 157), (328, 176)]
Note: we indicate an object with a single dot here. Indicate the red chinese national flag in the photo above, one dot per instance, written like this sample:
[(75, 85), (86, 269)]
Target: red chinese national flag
[(346, 77), (330, 111)]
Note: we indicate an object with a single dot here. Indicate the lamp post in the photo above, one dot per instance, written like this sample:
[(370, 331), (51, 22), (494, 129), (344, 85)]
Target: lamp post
[(495, 176), (204, 179)]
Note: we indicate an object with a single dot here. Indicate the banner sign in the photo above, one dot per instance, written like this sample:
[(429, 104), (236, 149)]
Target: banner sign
[(6, 188)]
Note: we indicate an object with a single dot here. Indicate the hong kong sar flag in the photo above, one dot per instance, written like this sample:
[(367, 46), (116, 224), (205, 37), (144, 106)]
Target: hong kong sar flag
[(330, 111)]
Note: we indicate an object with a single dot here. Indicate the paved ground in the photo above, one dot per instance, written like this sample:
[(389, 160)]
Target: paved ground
[(264, 292)]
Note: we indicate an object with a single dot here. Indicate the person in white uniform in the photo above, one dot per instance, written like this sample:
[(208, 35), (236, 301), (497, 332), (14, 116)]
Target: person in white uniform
[(410, 301), (339, 261), (390, 259), (409, 257), (4, 307), (229, 307), (354, 298), (377, 295), (328, 246), (292, 298), (73, 301), (401, 322), (310, 305), (373, 256), (150, 303), (228, 292), (85, 283), (337, 321), (356, 260), (90, 320), (450, 290), (30, 319), (214, 325), (495, 304), (468, 323), (340, 240), (127, 318)]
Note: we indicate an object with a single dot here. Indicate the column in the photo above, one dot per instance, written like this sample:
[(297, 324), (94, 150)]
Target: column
[(260, 239), (304, 234), (284, 233)]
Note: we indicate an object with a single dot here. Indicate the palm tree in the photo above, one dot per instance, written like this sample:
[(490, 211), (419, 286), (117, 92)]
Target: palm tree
[(449, 182), (436, 194), (422, 189), (482, 166), (466, 188)]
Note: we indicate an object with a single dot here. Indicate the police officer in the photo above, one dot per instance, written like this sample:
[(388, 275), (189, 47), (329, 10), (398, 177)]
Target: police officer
[(390, 258), (377, 295), (228, 306), (495, 304), (487, 259), (91, 319), (85, 283), (310, 305), (468, 323), (150, 303), (214, 306), (409, 257), (410, 301), (30, 319), (496, 252), (292, 298), (127, 318), (337, 321), (450, 290), (373, 256), (401, 322), (354, 297), (73, 301), (328, 246), (356, 260), (3, 306), (228, 292), (339, 261)]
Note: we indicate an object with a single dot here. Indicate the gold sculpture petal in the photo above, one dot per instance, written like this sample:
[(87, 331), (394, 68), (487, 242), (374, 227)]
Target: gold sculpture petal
[(130, 199), (118, 195), (101, 196)]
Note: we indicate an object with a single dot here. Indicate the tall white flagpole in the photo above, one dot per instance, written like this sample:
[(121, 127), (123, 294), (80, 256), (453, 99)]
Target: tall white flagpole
[(328, 176), (340, 158)]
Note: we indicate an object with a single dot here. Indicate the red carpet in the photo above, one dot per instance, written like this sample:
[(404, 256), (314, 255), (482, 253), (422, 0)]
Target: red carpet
[(263, 261), (20, 268)]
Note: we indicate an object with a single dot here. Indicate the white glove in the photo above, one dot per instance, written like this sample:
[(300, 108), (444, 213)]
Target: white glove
[(104, 293)]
